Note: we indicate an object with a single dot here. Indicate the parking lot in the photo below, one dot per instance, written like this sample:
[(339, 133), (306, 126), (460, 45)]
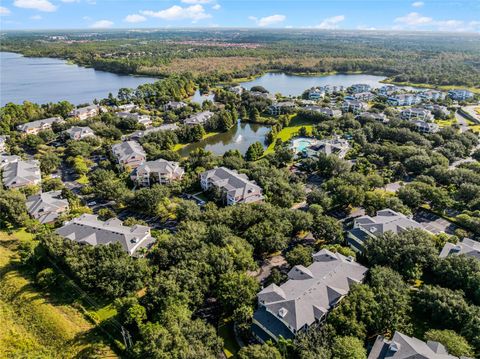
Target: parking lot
[(433, 223)]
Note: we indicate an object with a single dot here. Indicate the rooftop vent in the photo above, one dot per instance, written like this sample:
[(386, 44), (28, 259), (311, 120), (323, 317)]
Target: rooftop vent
[(282, 312)]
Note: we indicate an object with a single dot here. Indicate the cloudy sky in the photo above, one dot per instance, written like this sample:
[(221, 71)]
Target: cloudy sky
[(431, 15)]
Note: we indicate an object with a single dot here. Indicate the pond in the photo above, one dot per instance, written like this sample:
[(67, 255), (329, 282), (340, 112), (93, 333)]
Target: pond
[(239, 138), (44, 80), (199, 98), (294, 85)]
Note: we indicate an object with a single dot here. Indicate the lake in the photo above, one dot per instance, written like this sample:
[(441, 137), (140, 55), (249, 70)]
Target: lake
[(294, 85), (43, 80), (239, 138)]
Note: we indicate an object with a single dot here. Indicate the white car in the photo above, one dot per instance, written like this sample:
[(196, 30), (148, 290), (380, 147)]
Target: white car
[(93, 203)]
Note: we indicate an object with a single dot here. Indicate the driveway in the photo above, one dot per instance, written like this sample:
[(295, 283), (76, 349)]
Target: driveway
[(264, 271), (433, 223), (462, 121)]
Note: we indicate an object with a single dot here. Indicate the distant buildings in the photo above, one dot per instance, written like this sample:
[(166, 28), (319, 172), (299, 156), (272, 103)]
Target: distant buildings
[(129, 153), (140, 119), (46, 207), (404, 99), (306, 298), (354, 106), (265, 95), (387, 90), (34, 127), (413, 113), (361, 96), (127, 107), (426, 127), (79, 133), (21, 173), (404, 347), (336, 146), (237, 90), (460, 94), (87, 229), (380, 117), (139, 134), (199, 118), (174, 105), (327, 111), (158, 171), (235, 187), (386, 220), (357, 88), (280, 108), (84, 113), (466, 246), (432, 95), (316, 94)]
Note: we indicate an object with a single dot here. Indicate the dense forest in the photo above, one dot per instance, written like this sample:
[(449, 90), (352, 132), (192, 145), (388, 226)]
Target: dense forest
[(422, 58)]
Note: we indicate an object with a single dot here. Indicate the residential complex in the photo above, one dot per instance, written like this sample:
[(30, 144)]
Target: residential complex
[(34, 127), (466, 246), (86, 112), (386, 220), (357, 88), (307, 297), (280, 108), (140, 119), (199, 118), (79, 133), (141, 133), (336, 146), (235, 187), (129, 153), (404, 99), (173, 105), (416, 114), (426, 127), (460, 94), (402, 346), (354, 106), (21, 173), (327, 111), (88, 229), (46, 207), (158, 171)]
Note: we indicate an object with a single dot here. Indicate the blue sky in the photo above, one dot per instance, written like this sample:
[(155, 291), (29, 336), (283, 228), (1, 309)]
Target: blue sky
[(431, 15)]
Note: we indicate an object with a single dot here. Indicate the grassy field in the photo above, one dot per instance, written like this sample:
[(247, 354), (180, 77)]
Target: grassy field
[(290, 131), (436, 87), (31, 326), (446, 123)]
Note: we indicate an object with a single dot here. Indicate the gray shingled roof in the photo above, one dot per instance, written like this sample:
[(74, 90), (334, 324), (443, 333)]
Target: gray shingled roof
[(199, 118), (82, 131), (385, 220), (234, 183), (47, 206), (123, 151), (404, 347), (21, 173), (39, 123), (467, 246), (161, 166), (87, 229), (310, 292)]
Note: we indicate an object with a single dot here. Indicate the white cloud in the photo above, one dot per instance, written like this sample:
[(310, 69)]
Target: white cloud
[(4, 11), (268, 20), (36, 17), (194, 13), (102, 24), (331, 22), (69, 1), (413, 19), (40, 5), (216, 7), (197, 1), (418, 4), (135, 18)]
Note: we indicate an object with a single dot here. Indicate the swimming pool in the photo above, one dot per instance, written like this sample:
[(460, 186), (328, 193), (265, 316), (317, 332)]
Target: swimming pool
[(300, 144)]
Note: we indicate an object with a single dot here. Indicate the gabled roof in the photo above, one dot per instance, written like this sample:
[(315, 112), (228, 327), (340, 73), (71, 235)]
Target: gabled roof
[(385, 220), (234, 183), (199, 118), (161, 166), (46, 206), (404, 347), (311, 292), (39, 123), (82, 131), (123, 151), (89, 230), (466, 246), (21, 173)]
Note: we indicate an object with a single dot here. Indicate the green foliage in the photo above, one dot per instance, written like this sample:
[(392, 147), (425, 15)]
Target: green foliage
[(300, 255), (455, 344), (259, 351), (13, 211), (236, 289), (348, 347), (254, 151)]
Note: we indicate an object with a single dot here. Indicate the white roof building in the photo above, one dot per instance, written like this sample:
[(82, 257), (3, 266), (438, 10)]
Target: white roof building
[(21, 173)]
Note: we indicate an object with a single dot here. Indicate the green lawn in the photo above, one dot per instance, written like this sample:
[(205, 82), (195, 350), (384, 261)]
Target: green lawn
[(179, 146), (291, 131), (230, 345)]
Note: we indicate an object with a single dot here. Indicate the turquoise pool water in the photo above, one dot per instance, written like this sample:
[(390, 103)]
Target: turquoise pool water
[(300, 144)]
